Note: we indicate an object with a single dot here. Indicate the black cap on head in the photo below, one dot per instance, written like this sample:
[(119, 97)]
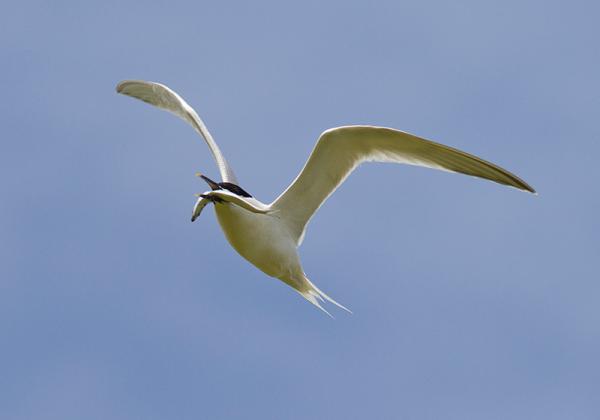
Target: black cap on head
[(234, 189)]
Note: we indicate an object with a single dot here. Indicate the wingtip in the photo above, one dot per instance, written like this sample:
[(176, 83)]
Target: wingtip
[(523, 188), (121, 85), (518, 183), (528, 188)]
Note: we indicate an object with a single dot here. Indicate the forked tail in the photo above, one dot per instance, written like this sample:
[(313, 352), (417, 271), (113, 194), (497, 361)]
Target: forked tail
[(315, 296)]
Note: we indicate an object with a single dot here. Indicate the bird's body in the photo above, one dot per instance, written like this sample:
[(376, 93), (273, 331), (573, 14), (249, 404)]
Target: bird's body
[(262, 239), (268, 235)]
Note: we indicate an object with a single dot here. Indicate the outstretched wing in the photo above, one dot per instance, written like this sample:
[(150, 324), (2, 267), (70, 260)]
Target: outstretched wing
[(164, 98), (340, 150)]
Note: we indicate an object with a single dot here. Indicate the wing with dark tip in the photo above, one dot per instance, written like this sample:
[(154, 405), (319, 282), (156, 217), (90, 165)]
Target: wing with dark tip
[(163, 97), (340, 150)]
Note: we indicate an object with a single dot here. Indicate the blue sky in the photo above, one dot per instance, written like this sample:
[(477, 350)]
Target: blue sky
[(470, 300)]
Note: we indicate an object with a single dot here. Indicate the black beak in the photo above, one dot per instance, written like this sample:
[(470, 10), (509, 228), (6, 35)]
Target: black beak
[(212, 184)]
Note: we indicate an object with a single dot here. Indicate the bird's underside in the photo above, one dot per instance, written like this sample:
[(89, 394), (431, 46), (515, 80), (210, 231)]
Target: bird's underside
[(268, 235)]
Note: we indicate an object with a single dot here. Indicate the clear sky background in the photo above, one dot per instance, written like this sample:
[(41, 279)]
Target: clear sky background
[(470, 300)]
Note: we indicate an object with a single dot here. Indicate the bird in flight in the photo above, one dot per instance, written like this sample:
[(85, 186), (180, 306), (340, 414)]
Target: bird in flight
[(268, 235)]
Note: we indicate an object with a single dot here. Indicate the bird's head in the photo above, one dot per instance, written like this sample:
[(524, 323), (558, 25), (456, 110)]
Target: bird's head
[(236, 189), (204, 199)]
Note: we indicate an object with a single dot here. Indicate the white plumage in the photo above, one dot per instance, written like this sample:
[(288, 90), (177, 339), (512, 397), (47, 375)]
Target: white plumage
[(268, 235)]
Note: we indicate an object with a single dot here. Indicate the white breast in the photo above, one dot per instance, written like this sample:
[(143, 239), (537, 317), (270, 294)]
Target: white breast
[(262, 239)]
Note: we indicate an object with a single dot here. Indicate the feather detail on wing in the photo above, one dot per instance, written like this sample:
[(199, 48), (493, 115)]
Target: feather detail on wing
[(163, 97), (340, 150)]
